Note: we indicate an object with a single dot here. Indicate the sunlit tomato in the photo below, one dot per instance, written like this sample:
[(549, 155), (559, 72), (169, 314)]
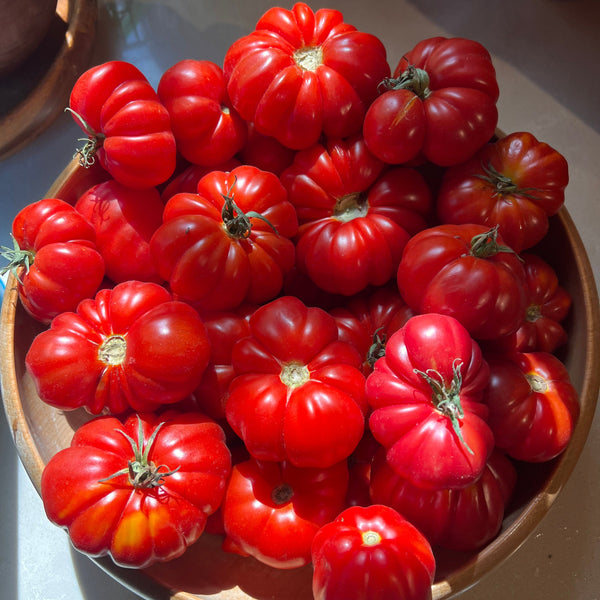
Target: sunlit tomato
[(354, 219), (426, 394), (230, 243), (272, 510), (440, 104), (301, 74), (132, 346), (55, 258), (465, 271), (124, 221), (372, 553), (138, 491), (298, 394), (462, 519), (515, 183), (128, 128), (207, 129), (533, 405)]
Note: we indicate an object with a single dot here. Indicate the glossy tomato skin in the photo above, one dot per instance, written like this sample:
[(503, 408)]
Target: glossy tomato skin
[(124, 220), (463, 519), (445, 269), (137, 526), (211, 262), (533, 405), (301, 74), (130, 128), (272, 510), (426, 398), (64, 264), (298, 394), (354, 218), (516, 182), (207, 129), (455, 80), (372, 553), (131, 347)]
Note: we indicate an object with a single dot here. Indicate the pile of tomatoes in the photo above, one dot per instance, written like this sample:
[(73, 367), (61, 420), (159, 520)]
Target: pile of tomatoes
[(304, 308)]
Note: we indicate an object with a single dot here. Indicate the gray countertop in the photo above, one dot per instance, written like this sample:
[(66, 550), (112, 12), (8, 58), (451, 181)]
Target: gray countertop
[(546, 57)]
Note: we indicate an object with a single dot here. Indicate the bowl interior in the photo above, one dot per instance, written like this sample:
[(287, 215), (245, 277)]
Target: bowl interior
[(39, 431)]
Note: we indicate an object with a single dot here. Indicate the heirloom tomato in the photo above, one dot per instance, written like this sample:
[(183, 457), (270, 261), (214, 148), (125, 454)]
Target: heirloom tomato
[(132, 346), (128, 128), (124, 220), (464, 519), (298, 394), (265, 152), (440, 104), (230, 243), (301, 74), (372, 553), (533, 405), (516, 183), (467, 272), (355, 218), (55, 258), (140, 490), (272, 510), (426, 397), (207, 129)]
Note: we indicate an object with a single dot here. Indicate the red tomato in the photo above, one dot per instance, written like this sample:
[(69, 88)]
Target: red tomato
[(301, 74), (455, 82), (272, 510), (207, 129), (354, 219), (265, 152), (124, 220), (230, 243), (548, 305), (128, 128), (533, 405), (138, 491), (516, 183), (298, 394), (463, 519), (426, 394), (372, 553), (130, 347), (369, 318), (467, 272), (55, 258)]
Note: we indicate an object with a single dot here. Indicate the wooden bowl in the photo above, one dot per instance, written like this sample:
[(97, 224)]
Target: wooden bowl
[(39, 431)]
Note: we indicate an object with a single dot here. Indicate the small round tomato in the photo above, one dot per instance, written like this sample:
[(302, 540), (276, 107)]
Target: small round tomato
[(372, 553), (132, 346), (139, 491), (272, 510), (426, 397)]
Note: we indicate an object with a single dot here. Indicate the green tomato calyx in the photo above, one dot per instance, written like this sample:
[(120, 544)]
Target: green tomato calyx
[(87, 154), (413, 79)]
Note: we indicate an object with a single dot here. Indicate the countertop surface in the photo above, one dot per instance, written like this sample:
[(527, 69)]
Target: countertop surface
[(546, 56)]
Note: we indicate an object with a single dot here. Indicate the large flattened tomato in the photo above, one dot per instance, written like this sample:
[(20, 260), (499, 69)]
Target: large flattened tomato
[(272, 510), (439, 106), (298, 394), (139, 491), (372, 553), (230, 243), (207, 129), (533, 405), (355, 218), (301, 74), (516, 183), (132, 346), (128, 128), (465, 271), (426, 397), (55, 258)]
